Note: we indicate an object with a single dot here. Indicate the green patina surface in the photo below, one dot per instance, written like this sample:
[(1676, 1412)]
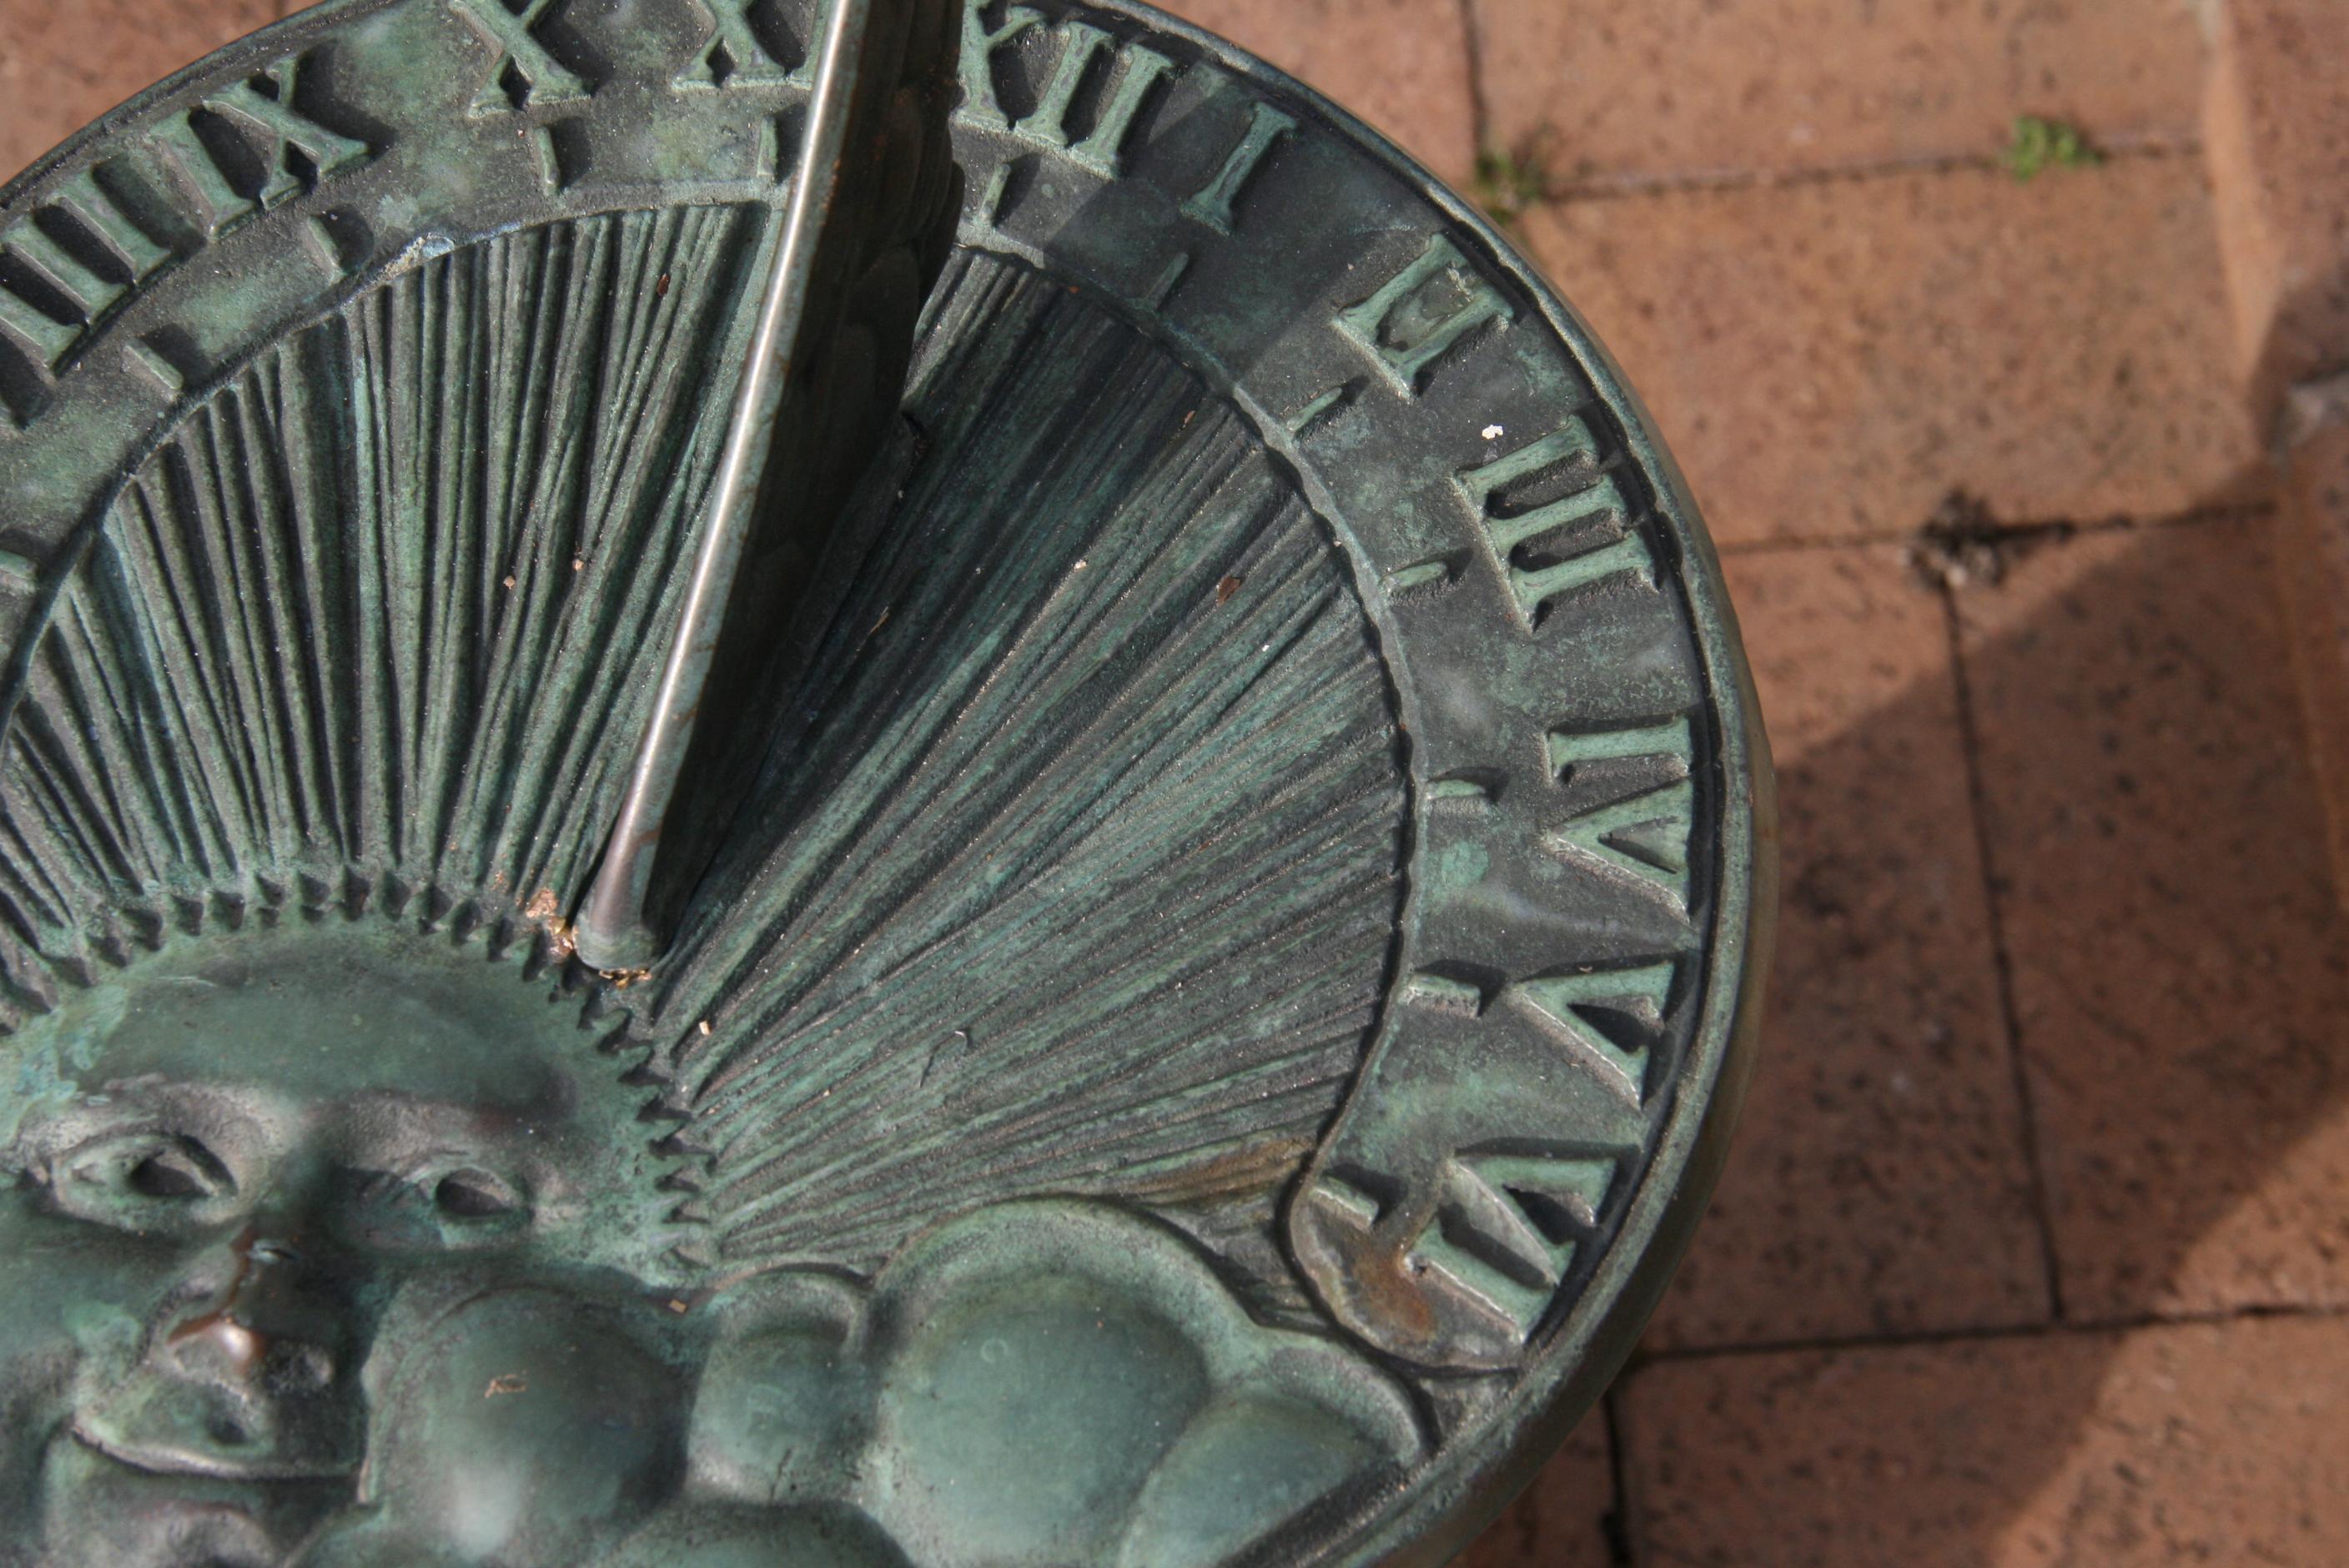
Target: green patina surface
[(1216, 991)]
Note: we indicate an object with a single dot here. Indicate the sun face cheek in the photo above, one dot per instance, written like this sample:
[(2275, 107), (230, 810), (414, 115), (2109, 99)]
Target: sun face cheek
[(59, 1279), (73, 1306)]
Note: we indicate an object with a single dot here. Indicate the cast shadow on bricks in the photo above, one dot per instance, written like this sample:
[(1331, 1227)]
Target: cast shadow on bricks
[(1906, 1333)]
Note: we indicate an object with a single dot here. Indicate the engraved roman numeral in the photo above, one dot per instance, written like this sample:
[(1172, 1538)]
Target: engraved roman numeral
[(1507, 1231), (219, 205), (91, 283), (76, 259), (48, 339), (1434, 988), (542, 79), (150, 362), (979, 48), (731, 53), (85, 289), (1170, 278), (997, 201), (277, 127), (130, 246), (269, 127), (1422, 313), (1469, 790), (1544, 547), (553, 175), (1212, 203), (1445, 1232), (1439, 571), (1135, 71), (1320, 410), (1563, 1005), (1645, 834)]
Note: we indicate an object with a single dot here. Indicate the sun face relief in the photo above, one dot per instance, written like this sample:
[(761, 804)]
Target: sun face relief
[(356, 1086), (251, 1149), (1237, 908), (336, 1084)]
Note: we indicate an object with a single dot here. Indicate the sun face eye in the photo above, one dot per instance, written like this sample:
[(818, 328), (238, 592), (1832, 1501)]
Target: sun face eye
[(435, 1207), (142, 1180), (474, 1194), (171, 1173)]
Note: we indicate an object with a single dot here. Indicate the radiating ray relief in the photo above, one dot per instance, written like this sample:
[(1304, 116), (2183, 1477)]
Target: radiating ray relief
[(1074, 869)]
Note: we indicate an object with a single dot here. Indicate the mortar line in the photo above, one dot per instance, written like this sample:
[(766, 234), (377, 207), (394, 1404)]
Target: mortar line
[(1622, 1539), (1987, 1334), (1480, 110), (2002, 959), (2193, 516), (1627, 185)]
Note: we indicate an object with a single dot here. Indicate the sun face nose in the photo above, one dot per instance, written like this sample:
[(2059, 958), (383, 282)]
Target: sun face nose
[(248, 1375)]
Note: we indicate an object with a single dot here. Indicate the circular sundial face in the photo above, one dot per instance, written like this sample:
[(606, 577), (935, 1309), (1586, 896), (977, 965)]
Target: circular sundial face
[(1227, 993)]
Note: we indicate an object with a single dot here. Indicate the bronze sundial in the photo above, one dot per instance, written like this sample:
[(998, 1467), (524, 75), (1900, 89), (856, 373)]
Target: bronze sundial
[(834, 784)]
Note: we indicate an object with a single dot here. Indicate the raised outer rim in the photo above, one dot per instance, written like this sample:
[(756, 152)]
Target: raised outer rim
[(1469, 1483)]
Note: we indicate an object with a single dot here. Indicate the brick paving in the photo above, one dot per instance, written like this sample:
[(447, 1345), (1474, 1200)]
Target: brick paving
[(64, 62), (1882, 1136), (2170, 1443), (2157, 849), (1665, 91), (1828, 358), (2032, 1250), (1403, 65)]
